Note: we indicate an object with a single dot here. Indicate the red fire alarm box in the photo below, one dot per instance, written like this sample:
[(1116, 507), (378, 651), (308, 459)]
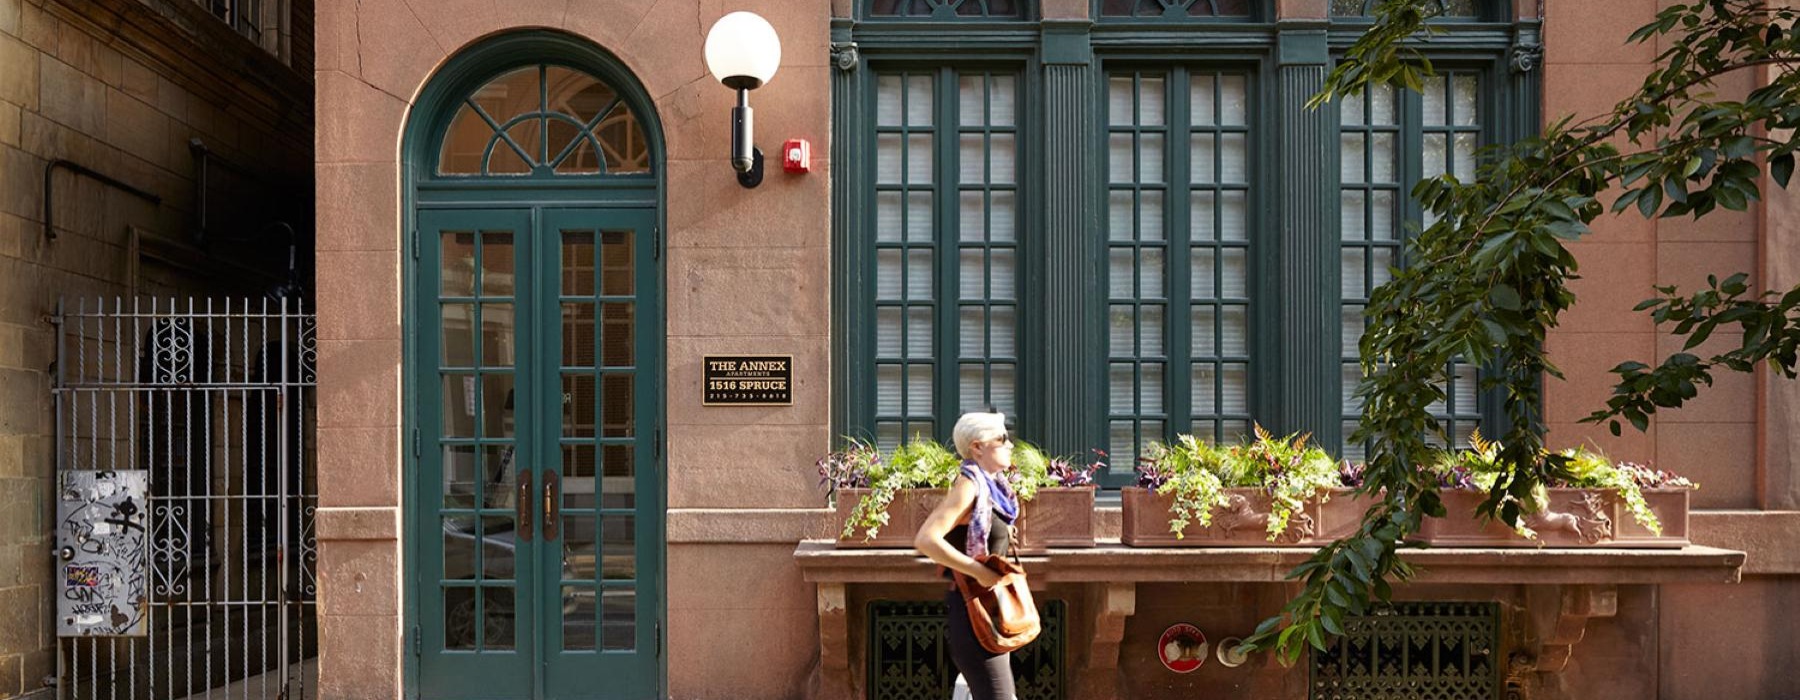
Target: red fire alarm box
[(796, 156)]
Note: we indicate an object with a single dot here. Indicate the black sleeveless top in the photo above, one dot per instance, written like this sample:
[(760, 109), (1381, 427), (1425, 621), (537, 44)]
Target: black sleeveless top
[(999, 537)]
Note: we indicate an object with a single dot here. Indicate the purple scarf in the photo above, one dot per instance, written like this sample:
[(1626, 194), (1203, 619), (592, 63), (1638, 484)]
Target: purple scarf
[(990, 493)]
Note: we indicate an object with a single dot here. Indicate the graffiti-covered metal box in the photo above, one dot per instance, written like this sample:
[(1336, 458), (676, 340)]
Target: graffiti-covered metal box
[(102, 559)]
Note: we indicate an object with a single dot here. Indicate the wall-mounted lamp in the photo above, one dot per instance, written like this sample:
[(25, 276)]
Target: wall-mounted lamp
[(742, 51)]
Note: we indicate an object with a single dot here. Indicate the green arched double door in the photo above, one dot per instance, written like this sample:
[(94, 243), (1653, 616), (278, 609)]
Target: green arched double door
[(535, 379)]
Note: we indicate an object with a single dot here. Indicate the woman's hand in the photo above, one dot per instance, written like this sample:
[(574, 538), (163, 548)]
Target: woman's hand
[(988, 578)]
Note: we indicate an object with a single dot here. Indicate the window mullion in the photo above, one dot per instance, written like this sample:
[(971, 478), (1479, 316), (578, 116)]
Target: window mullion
[(945, 237), (1177, 339)]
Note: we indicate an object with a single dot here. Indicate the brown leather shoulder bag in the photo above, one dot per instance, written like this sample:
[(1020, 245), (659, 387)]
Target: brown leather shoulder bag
[(1004, 617)]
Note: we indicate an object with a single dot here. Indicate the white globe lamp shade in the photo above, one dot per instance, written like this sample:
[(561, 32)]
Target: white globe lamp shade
[(742, 50)]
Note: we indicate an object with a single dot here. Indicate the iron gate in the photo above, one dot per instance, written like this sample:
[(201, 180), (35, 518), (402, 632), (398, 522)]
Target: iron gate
[(213, 399)]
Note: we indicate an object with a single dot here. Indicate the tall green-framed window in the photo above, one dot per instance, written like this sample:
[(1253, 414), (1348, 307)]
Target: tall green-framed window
[(946, 301), (1178, 232), (1389, 139)]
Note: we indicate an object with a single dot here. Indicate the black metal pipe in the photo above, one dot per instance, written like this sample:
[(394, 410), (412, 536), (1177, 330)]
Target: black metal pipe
[(79, 169)]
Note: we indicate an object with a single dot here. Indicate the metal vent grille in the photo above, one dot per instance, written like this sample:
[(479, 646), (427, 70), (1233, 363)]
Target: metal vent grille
[(909, 659), (1415, 651)]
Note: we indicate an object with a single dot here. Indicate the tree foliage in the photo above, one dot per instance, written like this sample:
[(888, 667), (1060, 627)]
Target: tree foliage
[(1488, 278)]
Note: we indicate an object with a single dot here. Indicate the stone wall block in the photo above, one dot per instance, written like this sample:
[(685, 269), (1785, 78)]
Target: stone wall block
[(19, 77), (356, 207), (73, 98), (357, 123), (665, 50), (723, 292), (359, 466), (135, 127), (359, 578), (359, 383), (359, 295), (1614, 278), (786, 211), (359, 656), (699, 478), (396, 53)]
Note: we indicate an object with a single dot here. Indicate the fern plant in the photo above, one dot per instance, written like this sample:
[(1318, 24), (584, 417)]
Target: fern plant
[(1196, 474)]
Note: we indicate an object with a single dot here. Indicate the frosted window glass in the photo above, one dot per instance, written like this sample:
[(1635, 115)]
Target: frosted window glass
[(1383, 155), (918, 275), (1200, 216), (1435, 108), (1150, 216), (1121, 330), (1235, 273), (1151, 391), (887, 100), (1202, 280), (1201, 107), (1468, 111), (1120, 268), (1233, 101), (1002, 327), (1003, 101), (971, 327), (918, 217), (887, 159), (918, 333), (1151, 102), (1119, 100), (918, 100), (972, 281), (1150, 158), (887, 274), (1119, 158), (1002, 214), (1235, 331), (1121, 397), (1003, 267), (888, 217), (918, 390), (1150, 331), (1119, 219), (1351, 216), (1234, 211), (1201, 341), (1002, 156), (1350, 158), (1234, 158), (971, 159), (887, 332), (918, 159)]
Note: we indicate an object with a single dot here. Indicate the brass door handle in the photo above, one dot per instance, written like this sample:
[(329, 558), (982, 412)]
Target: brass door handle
[(522, 506), (551, 518)]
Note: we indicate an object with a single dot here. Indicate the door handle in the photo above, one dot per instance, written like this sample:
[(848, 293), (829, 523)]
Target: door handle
[(522, 506), (551, 518)]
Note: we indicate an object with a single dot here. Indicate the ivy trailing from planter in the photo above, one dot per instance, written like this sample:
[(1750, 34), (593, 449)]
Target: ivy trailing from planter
[(1485, 281), (1479, 468)]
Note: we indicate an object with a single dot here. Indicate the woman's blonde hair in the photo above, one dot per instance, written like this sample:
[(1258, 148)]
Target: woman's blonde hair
[(976, 426)]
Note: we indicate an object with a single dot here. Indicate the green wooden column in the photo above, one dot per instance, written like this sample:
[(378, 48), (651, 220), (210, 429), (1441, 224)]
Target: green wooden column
[(847, 184), (1071, 247), (1302, 393)]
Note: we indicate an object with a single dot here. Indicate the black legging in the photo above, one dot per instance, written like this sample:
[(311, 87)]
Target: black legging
[(989, 675)]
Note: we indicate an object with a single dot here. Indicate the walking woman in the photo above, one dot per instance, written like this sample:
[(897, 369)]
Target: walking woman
[(974, 519)]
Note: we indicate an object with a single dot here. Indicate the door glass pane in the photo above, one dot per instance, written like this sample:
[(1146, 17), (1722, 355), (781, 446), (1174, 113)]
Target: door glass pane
[(496, 487), (618, 550), (459, 618), (578, 547), (578, 404), (497, 618), (617, 269), (459, 405), (617, 465), (578, 618), (497, 335), (457, 335), (460, 475), (578, 335), (496, 263), (577, 263), (498, 544), (457, 269), (616, 405), (459, 548), (497, 403), (618, 334), (618, 619)]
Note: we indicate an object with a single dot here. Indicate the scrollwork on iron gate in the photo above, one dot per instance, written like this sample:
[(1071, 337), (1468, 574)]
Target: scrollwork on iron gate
[(1428, 651), (909, 660)]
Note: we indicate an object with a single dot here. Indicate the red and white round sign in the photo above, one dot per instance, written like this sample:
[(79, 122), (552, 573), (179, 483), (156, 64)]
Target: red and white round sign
[(1182, 648)]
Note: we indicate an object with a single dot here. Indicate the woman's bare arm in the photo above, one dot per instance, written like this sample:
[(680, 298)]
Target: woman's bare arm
[(930, 540)]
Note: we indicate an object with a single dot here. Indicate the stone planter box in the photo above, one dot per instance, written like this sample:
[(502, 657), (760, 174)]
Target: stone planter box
[(1057, 517), (1593, 518), (905, 514), (1144, 521)]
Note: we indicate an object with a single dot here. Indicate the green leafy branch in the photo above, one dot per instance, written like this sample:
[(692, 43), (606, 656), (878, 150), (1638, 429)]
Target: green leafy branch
[(1487, 279)]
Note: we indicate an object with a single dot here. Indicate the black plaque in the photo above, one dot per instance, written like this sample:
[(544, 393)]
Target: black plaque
[(749, 380)]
